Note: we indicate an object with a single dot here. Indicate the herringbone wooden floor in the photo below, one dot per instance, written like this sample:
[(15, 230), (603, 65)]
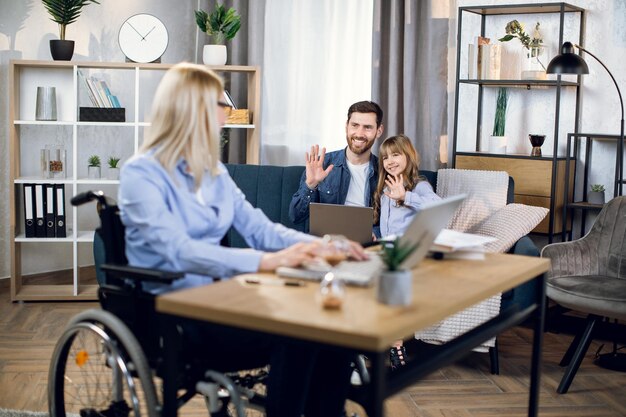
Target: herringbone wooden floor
[(28, 332)]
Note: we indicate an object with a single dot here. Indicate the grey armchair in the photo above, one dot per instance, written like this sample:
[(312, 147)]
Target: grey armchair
[(589, 275)]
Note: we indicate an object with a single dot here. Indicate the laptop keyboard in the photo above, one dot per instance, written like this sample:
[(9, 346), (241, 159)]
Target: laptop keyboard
[(359, 273)]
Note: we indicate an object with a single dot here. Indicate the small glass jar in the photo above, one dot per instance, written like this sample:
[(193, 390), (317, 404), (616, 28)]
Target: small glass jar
[(53, 162)]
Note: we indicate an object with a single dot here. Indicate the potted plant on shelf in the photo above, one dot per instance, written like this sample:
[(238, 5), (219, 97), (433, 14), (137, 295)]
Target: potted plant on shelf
[(221, 25), (497, 141), (93, 167), (533, 68), (596, 195), (395, 283), (114, 170), (64, 12)]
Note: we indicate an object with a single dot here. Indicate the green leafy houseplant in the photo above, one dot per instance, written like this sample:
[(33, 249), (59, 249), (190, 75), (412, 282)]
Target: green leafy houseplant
[(65, 12), (113, 162), (394, 253), (93, 161), (499, 122), (597, 188), (221, 25)]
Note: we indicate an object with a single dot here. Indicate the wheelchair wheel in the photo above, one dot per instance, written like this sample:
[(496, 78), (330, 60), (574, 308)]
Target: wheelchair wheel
[(99, 369)]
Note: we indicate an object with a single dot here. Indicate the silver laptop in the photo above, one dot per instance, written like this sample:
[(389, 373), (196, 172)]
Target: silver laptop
[(422, 230), (353, 222)]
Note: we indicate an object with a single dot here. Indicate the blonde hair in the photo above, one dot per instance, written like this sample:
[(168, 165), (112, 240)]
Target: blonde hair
[(396, 144), (184, 120)]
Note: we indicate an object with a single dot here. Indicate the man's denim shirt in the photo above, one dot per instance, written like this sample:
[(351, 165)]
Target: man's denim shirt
[(333, 189)]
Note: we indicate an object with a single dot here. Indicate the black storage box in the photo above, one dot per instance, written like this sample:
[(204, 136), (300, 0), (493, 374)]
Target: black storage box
[(101, 114)]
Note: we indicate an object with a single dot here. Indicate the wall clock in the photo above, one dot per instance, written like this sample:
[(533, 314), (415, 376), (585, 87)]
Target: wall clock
[(143, 38)]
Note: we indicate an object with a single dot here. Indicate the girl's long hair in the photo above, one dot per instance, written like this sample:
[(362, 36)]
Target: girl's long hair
[(184, 120), (396, 144)]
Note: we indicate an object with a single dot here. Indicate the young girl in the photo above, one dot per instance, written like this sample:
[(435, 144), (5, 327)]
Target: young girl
[(399, 196)]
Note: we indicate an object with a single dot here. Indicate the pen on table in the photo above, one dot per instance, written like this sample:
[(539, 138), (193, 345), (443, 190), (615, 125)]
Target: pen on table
[(274, 282)]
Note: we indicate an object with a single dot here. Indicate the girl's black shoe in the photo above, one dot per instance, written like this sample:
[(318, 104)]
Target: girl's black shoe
[(397, 357)]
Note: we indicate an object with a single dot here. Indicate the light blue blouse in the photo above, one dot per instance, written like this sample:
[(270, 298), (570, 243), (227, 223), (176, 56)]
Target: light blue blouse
[(171, 227), (393, 219)]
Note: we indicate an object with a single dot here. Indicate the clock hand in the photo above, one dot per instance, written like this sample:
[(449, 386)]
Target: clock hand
[(143, 38), (149, 32)]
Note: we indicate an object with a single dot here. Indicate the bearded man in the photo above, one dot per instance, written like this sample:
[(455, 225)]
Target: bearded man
[(347, 176)]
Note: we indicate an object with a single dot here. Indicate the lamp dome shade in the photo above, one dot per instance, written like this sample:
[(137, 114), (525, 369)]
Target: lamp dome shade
[(567, 62)]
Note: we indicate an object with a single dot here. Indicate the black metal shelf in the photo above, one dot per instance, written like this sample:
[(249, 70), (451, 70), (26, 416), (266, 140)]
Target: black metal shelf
[(520, 83), (574, 153), (521, 9), (511, 155), (583, 205)]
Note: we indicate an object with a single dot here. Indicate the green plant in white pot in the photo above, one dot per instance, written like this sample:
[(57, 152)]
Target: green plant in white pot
[(596, 195), (114, 168), (221, 25), (497, 141), (395, 285), (93, 167), (64, 12)]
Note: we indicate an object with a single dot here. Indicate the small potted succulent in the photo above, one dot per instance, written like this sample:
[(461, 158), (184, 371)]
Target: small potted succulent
[(395, 283), (596, 195), (221, 25), (114, 169), (93, 167), (64, 12)]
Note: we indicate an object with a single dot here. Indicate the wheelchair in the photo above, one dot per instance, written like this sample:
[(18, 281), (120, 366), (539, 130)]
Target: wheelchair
[(108, 362)]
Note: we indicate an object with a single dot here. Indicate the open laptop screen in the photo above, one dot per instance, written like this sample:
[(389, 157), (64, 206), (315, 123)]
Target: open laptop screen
[(353, 222)]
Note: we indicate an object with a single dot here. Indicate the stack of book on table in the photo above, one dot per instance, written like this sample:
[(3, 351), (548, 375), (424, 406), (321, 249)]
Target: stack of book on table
[(453, 244)]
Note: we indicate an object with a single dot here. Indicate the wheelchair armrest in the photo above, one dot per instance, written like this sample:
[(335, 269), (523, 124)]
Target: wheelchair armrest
[(141, 274)]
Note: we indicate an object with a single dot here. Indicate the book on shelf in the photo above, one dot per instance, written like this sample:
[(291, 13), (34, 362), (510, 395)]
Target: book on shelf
[(229, 99), (484, 59), (99, 92)]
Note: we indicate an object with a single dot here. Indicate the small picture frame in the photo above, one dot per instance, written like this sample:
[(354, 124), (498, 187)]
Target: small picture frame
[(229, 99)]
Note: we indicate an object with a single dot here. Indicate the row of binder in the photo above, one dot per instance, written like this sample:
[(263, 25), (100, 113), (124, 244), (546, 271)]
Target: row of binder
[(44, 210)]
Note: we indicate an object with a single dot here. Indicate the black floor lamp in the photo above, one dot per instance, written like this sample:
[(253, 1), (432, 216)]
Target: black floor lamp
[(570, 63)]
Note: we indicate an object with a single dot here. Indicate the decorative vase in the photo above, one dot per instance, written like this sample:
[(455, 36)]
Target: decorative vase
[(46, 106), (93, 173), (114, 173), (395, 287), (595, 197), (533, 64), (214, 55), (497, 144), (536, 141), (61, 50)]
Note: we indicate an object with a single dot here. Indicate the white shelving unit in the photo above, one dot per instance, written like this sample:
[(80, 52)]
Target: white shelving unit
[(134, 84)]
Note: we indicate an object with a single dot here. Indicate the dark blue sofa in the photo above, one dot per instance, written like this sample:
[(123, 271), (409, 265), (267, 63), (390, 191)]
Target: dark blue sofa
[(270, 188)]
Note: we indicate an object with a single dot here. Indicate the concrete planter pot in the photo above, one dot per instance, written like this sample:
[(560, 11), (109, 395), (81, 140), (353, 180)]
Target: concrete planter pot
[(595, 197), (395, 287)]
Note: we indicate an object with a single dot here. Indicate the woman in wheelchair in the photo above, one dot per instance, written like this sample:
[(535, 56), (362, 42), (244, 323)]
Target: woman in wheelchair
[(177, 201)]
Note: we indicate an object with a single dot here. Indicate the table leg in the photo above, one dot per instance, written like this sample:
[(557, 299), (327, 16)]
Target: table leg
[(378, 371), (535, 367), (171, 344)]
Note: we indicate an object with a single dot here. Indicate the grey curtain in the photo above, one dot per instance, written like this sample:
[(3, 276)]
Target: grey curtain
[(245, 49), (409, 76)]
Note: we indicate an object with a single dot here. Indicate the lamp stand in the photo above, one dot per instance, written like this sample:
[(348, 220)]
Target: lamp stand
[(620, 146)]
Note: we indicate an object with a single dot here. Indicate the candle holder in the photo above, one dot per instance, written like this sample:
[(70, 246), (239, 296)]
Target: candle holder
[(536, 141)]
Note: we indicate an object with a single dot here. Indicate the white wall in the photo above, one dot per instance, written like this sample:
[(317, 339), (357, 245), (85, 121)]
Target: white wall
[(533, 112)]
